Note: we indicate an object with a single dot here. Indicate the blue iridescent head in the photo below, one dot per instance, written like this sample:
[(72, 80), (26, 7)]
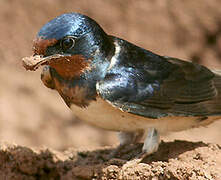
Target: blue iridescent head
[(71, 33), (71, 24), (77, 40)]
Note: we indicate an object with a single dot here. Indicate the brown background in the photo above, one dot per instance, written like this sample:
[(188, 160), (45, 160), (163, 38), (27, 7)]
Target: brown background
[(33, 115)]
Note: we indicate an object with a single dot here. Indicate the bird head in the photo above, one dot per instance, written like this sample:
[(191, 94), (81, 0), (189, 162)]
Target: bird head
[(72, 44), (76, 52)]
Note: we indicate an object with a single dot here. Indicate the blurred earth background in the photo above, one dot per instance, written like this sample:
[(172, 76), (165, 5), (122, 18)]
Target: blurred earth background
[(34, 116)]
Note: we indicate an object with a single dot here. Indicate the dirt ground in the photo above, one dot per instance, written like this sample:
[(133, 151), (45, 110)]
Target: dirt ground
[(174, 160), (35, 117)]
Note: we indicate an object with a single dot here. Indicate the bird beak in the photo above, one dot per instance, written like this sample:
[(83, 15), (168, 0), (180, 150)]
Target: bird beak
[(32, 63)]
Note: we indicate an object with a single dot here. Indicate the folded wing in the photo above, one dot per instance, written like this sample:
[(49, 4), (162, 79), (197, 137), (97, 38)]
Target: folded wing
[(188, 89)]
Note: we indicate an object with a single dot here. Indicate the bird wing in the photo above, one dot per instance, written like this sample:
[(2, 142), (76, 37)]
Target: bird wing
[(184, 90)]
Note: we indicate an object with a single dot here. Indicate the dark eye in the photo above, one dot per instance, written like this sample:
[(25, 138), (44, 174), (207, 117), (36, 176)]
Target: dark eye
[(67, 43)]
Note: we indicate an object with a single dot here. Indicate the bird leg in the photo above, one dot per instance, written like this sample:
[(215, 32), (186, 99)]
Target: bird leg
[(151, 144)]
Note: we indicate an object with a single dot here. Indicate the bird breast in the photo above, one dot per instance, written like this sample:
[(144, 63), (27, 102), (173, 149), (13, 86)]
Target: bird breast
[(102, 114)]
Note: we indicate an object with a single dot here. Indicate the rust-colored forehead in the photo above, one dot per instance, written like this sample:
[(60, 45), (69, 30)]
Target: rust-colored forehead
[(40, 45)]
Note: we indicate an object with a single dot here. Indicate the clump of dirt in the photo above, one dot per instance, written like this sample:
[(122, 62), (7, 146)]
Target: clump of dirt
[(32, 63), (174, 160)]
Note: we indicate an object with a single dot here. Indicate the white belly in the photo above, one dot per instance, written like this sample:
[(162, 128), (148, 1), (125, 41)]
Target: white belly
[(101, 114)]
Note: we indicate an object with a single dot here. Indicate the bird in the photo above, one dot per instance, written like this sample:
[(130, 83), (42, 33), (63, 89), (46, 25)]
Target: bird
[(113, 84)]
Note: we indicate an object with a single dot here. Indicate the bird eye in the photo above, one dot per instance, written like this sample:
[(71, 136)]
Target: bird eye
[(67, 43)]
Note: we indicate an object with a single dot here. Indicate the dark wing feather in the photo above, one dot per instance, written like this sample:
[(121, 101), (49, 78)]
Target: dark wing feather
[(187, 89), (194, 85), (190, 90), (189, 83)]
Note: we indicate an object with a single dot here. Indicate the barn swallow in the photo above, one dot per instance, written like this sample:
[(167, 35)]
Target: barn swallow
[(116, 85)]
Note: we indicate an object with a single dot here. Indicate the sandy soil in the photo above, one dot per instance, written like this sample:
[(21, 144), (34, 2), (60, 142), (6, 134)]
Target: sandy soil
[(34, 116), (175, 160)]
